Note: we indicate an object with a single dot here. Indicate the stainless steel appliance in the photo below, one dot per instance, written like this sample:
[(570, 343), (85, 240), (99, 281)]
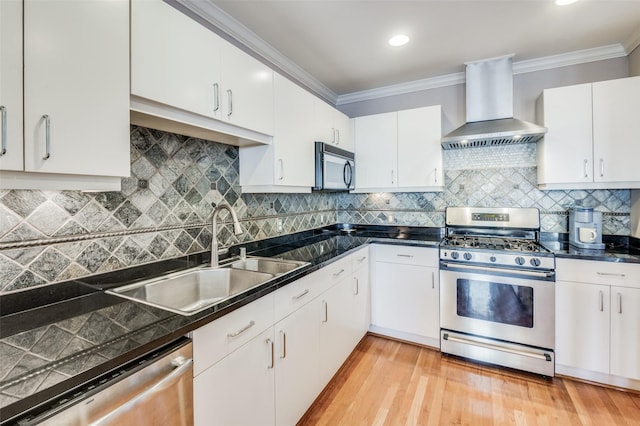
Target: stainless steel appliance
[(155, 391), (335, 168), (585, 228), (497, 289)]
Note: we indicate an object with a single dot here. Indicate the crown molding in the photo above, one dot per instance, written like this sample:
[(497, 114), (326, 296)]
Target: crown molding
[(216, 19), (233, 31)]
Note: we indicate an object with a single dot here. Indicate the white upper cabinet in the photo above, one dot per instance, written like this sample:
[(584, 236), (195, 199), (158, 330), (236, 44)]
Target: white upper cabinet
[(332, 126), (591, 140), (287, 165), (195, 76), (11, 85), (399, 151), (76, 94)]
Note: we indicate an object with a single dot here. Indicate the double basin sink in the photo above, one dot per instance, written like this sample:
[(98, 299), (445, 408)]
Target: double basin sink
[(193, 290)]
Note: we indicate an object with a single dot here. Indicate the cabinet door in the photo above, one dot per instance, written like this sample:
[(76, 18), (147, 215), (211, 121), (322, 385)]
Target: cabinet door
[(376, 143), (324, 129), (419, 149), (625, 337), (174, 60), (342, 126), (11, 148), (565, 154), (76, 84), (297, 360), (337, 328), (582, 326), (238, 390), (293, 139), (247, 96), (408, 305), (616, 143)]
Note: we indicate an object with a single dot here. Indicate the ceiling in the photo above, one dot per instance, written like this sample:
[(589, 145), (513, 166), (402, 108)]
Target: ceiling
[(343, 43)]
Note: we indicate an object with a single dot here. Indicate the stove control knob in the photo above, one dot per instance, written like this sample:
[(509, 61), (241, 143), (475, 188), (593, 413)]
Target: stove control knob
[(535, 261), (492, 259), (467, 256), (454, 255), (520, 260)]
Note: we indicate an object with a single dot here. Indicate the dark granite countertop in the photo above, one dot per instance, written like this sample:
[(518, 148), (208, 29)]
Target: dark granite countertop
[(617, 249), (57, 338)]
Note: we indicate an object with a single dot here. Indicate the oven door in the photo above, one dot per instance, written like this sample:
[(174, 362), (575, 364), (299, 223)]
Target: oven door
[(503, 304)]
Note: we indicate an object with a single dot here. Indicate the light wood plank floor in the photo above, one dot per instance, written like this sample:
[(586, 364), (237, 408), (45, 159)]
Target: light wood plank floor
[(385, 382)]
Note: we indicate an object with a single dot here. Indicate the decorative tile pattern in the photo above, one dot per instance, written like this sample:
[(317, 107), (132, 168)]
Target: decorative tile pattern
[(169, 218)]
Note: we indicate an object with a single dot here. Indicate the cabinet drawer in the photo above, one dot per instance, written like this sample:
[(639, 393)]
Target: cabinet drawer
[(221, 337), (304, 290), (360, 258), (589, 271), (407, 255)]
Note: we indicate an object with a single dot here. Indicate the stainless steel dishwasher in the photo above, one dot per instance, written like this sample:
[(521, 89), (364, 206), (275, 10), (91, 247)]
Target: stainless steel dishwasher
[(157, 390)]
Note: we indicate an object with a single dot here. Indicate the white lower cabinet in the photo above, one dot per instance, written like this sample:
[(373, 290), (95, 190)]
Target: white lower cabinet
[(238, 390), (266, 362), (297, 357), (597, 317), (405, 293)]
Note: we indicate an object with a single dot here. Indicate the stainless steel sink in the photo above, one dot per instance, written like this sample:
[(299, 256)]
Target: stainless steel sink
[(192, 291), (268, 265)]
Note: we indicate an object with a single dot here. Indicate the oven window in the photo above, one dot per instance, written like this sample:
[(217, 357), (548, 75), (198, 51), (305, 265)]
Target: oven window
[(495, 302)]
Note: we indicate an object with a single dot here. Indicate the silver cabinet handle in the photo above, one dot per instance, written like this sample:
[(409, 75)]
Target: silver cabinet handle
[(357, 289), (586, 162), (405, 255), (283, 339), (47, 124), (337, 274), (435, 175), (433, 280), (601, 167), (601, 300), (230, 100), (216, 97), (147, 395), (333, 135), (392, 177), (326, 311), (619, 303), (362, 259), (298, 296), (242, 330), (281, 161), (610, 274), (271, 354), (337, 136), (3, 150)]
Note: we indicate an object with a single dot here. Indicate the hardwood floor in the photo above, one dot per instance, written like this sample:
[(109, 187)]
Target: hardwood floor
[(385, 382)]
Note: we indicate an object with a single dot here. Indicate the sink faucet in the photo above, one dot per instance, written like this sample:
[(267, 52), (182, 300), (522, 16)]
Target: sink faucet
[(214, 237)]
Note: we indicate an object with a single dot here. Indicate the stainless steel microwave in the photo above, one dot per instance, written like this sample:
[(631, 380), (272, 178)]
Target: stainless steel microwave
[(335, 168)]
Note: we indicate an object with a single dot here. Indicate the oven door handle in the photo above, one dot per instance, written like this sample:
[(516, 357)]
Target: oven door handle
[(539, 274), (542, 356)]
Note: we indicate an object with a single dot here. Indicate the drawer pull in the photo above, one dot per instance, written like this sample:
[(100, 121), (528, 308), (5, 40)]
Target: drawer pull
[(298, 296), (362, 259), (337, 274), (242, 330), (271, 362), (405, 255), (610, 274)]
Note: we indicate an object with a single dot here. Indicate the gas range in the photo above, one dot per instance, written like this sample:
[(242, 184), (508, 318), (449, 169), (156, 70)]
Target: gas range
[(507, 237)]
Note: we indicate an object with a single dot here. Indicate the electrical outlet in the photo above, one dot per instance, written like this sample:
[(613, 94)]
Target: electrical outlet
[(279, 225), (322, 218)]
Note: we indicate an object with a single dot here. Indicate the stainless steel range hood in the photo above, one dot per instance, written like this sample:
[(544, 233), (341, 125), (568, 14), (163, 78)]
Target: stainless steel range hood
[(490, 119)]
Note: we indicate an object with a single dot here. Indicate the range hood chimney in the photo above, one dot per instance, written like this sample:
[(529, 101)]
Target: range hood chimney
[(490, 119)]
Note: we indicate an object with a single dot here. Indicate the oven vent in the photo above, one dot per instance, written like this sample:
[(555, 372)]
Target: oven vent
[(497, 141)]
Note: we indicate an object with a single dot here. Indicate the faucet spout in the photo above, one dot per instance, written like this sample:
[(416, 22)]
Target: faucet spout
[(237, 229)]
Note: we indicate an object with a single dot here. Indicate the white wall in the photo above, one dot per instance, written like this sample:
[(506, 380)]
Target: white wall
[(527, 87)]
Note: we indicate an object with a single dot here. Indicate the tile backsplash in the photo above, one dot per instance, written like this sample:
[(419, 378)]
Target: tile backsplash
[(164, 208)]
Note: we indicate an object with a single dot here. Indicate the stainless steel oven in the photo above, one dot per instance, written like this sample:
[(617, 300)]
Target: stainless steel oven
[(497, 291)]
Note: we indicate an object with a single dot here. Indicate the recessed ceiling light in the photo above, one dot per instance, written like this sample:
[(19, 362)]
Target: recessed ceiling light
[(565, 2), (398, 40)]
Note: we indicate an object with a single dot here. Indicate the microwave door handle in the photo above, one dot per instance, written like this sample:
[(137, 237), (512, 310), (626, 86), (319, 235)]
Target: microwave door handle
[(347, 174)]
